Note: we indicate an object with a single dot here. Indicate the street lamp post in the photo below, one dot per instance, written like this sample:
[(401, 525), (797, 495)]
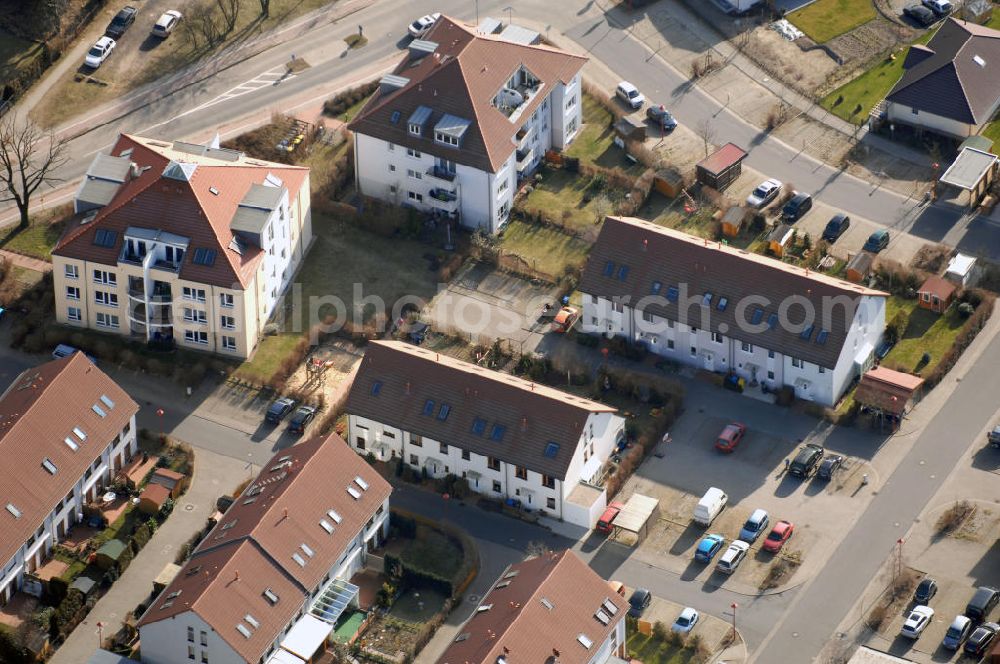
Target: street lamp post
[(509, 10), (100, 635), (734, 606), (477, 12), (899, 557)]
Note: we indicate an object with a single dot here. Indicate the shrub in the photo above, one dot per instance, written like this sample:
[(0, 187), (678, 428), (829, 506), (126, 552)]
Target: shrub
[(953, 517), (896, 327), (142, 535), (336, 105), (966, 309)]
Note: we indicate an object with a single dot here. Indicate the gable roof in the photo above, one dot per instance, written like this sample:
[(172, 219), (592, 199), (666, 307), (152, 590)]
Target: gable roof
[(38, 412), (959, 80), (935, 285), (650, 254), (251, 548), (538, 608), (198, 189), (532, 416), (460, 79)]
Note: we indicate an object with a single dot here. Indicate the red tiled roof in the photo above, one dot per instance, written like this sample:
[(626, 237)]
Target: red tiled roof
[(189, 209), (935, 285), (38, 411), (723, 158), (157, 493), (887, 389)]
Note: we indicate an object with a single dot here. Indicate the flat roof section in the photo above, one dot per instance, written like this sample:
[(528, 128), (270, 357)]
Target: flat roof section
[(968, 168)]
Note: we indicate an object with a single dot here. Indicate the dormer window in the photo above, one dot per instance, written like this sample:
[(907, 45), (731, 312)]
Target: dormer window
[(417, 120), (414, 129), (450, 129), (446, 139)]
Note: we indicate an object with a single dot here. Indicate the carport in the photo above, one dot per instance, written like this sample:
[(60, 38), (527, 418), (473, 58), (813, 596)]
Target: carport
[(721, 168), (973, 171), (888, 394), (632, 523)]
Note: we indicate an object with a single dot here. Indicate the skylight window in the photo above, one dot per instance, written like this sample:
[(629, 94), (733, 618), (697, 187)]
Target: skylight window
[(326, 525), (722, 303), (623, 273), (306, 550), (757, 316), (547, 603), (78, 432), (429, 407), (602, 617), (478, 426), (772, 321), (335, 516), (71, 444), (251, 621), (443, 412), (498, 431), (243, 630), (361, 483), (49, 466), (105, 238), (551, 450), (821, 337), (806, 333), (609, 268), (609, 606), (672, 294), (706, 300), (100, 411), (394, 118), (299, 559), (585, 641), (355, 494), (483, 608), (107, 402), (203, 256), (270, 596), (376, 388), (12, 508)]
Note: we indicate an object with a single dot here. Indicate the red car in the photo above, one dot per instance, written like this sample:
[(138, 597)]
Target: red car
[(730, 437), (780, 534), (604, 523)]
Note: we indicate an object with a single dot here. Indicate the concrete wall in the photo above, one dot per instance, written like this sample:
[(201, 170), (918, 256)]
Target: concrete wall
[(166, 641)]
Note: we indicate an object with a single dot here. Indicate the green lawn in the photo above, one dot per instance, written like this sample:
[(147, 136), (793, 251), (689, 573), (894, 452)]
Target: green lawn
[(560, 196), (545, 249), (37, 240), (926, 332), (992, 130), (349, 114), (825, 19), (594, 144), (650, 650), (432, 551)]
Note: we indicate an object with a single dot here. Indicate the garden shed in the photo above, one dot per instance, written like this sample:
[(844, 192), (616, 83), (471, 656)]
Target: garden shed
[(172, 480), (860, 266), (109, 554), (84, 584), (962, 270), (936, 294), (779, 239), (152, 498), (629, 129), (732, 221), (887, 393), (721, 168)]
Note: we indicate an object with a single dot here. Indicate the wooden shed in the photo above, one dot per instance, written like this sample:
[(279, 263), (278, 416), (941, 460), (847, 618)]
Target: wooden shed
[(860, 266), (888, 394), (936, 294), (152, 498), (779, 239), (668, 182), (172, 480), (721, 168), (107, 556), (732, 221)]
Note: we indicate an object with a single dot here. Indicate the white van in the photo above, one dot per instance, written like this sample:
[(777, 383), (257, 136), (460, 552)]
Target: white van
[(709, 506)]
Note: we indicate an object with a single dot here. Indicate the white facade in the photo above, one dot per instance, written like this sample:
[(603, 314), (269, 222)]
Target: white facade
[(495, 477), (908, 115), (715, 352), (68, 511), (613, 646)]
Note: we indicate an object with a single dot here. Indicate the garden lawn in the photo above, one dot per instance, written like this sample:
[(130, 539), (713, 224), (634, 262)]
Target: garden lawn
[(432, 551), (16, 53), (653, 651), (992, 130), (542, 248), (594, 144), (270, 353), (38, 239), (825, 19), (926, 332), (560, 197)]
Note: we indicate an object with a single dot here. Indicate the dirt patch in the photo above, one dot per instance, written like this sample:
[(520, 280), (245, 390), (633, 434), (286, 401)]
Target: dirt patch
[(805, 71), (781, 570), (894, 598), (931, 258), (860, 46)]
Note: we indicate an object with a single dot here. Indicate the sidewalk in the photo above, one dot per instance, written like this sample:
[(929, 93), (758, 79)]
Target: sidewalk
[(213, 476), (26, 262)]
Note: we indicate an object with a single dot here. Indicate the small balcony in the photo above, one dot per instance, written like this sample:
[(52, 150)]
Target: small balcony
[(524, 158), (442, 175), (442, 199), (137, 289), (524, 135), (168, 266)]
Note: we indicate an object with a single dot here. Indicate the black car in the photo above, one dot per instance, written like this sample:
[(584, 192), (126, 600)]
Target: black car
[(836, 227), (638, 602), (121, 22), (661, 117), (984, 601), (831, 464), (279, 409), (796, 207), (805, 462), (301, 419), (981, 639), (920, 15), (925, 591)]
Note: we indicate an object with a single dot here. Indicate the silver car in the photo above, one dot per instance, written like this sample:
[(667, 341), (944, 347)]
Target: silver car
[(765, 192)]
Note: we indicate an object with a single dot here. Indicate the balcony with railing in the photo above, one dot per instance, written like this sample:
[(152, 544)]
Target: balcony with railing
[(524, 158), (442, 199), (444, 176), (524, 135)]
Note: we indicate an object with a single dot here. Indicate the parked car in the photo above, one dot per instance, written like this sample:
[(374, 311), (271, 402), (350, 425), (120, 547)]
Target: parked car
[(957, 633), (423, 25), (831, 464), (122, 21), (981, 639), (993, 437), (709, 506), (708, 547), (99, 52), (638, 602), (279, 409), (565, 319), (939, 7), (796, 207), (982, 603), (301, 419), (733, 556), (926, 590), (630, 95), (836, 227), (610, 512), (918, 620), (877, 241), (730, 437), (883, 348), (166, 24), (754, 526), (781, 533), (920, 15), (765, 192), (805, 462), (661, 117), (686, 621)]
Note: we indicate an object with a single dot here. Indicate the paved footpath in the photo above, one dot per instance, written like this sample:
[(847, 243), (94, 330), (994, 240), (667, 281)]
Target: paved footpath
[(26, 261)]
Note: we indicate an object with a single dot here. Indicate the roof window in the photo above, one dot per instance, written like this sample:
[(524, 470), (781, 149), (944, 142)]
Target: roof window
[(204, 256), (672, 294), (722, 303), (71, 444), (307, 550), (355, 494), (105, 238), (78, 432), (822, 336), (551, 450), (376, 388), (584, 641), (429, 407), (361, 483), (609, 268), (326, 525), (443, 412), (772, 321), (12, 508), (756, 316), (706, 300), (655, 290), (251, 621), (270, 596), (498, 431), (243, 630), (49, 466), (299, 560), (806, 333), (478, 426), (100, 411), (335, 516), (107, 402), (623, 273)]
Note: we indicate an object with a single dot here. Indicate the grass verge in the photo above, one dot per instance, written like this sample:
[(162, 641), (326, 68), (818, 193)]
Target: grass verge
[(594, 144), (926, 332), (38, 239), (825, 19)]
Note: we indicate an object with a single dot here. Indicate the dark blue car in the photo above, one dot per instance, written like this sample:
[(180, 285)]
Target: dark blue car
[(708, 547)]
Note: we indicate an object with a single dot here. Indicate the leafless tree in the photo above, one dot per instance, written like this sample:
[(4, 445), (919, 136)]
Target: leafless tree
[(265, 8), (706, 132), (537, 548), (202, 28), (230, 12), (601, 206), (28, 158)]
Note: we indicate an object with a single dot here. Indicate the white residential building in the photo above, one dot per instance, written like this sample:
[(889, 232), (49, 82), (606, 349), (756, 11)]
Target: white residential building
[(66, 429), (463, 118), (727, 310), (508, 437)]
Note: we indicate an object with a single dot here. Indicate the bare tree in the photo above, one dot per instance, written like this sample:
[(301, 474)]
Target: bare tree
[(601, 206), (230, 12), (706, 132), (28, 158), (265, 8), (202, 28)]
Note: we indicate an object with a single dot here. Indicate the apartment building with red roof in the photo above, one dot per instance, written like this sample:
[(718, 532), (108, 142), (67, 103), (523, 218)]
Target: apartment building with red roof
[(179, 243)]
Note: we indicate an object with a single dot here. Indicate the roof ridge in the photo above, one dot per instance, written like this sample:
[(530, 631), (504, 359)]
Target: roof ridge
[(958, 76)]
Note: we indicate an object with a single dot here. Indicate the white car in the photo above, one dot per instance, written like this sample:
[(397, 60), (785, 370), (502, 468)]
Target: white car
[(733, 556), (630, 94), (166, 24), (99, 52), (918, 620), (422, 25), (939, 7), (765, 192), (686, 621)]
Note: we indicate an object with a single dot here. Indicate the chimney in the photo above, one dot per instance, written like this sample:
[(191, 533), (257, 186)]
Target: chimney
[(645, 244), (407, 387), (285, 513), (237, 576), (524, 424)]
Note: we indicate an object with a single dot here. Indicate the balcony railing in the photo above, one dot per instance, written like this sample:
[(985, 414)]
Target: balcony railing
[(524, 158), (441, 174)]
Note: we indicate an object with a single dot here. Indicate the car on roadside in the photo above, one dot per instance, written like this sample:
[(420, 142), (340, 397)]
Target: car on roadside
[(423, 25), (685, 621), (796, 207), (122, 21), (877, 241), (982, 603), (781, 533), (301, 418), (730, 437), (754, 526), (981, 639), (630, 95), (805, 462), (99, 52), (836, 227), (166, 23), (829, 467), (708, 547), (957, 633), (926, 590), (918, 620), (661, 117), (920, 15), (765, 192), (638, 602), (279, 409), (941, 8), (733, 556)]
